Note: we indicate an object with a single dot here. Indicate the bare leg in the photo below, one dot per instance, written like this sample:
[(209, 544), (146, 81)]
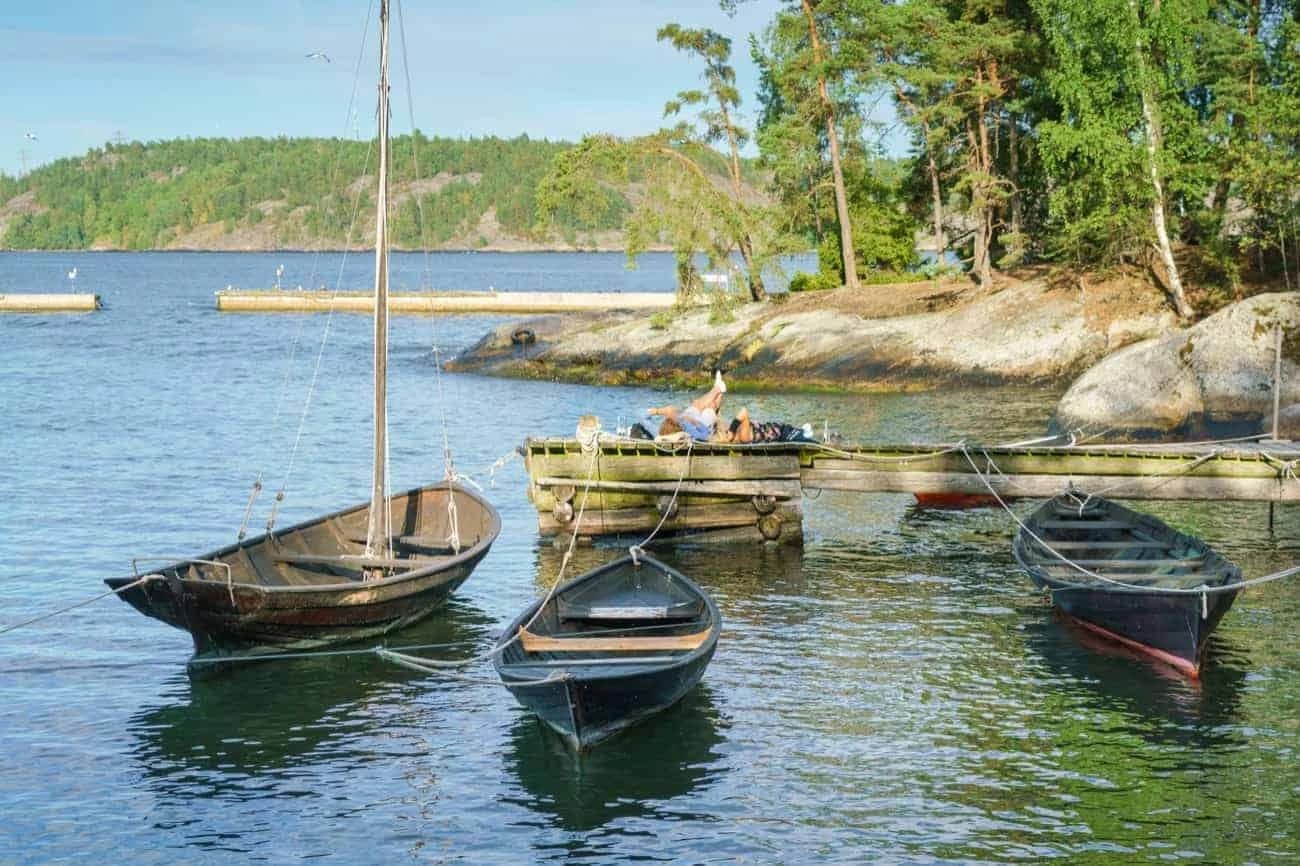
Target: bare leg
[(711, 400), (745, 428)]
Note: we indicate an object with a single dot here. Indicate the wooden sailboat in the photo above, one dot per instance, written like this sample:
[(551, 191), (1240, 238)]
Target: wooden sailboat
[(1145, 594), (356, 573)]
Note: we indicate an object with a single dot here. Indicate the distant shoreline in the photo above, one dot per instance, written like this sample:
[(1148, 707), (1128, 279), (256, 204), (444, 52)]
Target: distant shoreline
[(338, 250)]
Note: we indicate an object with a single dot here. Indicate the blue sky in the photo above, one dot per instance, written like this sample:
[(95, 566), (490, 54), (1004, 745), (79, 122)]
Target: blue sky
[(78, 73)]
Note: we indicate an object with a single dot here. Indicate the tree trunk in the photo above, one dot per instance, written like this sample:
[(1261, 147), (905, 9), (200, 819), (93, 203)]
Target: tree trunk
[(837, 172), (746, 243), (936, 195), (1151, 116), (1013, 146), (981, 172)]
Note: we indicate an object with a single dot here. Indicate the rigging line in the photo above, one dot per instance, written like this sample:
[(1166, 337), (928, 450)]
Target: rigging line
[(275, 419), (338, 155), (1201, 590), (329, 316), (311, 279), (320, 354), (448, 467), (448, 464), (132, 585)]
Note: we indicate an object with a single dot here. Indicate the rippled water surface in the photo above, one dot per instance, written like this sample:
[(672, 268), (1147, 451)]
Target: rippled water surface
[(893, 692)]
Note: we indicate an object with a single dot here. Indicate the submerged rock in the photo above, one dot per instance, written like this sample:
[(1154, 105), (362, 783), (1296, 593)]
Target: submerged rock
[(1214, 377)]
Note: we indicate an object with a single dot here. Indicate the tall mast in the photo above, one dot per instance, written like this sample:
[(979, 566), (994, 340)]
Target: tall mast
[(377, 533)]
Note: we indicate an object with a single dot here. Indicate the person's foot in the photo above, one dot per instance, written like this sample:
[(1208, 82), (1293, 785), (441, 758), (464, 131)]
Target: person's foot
[(718, 384)]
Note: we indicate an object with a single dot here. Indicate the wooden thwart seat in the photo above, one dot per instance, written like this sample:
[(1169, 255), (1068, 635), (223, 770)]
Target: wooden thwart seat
[(535, 643), (1192, 562), (623, 613), (345, 561), (1086, 524)]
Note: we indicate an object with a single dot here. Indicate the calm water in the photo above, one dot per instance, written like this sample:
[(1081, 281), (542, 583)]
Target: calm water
[(894, 692)]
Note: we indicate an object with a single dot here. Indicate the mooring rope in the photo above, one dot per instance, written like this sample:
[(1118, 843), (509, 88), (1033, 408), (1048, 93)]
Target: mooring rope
[(888, 458), (437, 666), (639, 548), (429, 666), (51, 614)]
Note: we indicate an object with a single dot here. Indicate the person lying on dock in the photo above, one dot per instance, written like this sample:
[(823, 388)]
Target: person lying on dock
[(744, 430), (699, 420)]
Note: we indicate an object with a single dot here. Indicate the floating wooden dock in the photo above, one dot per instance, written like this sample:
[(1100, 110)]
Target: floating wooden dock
[(430, 303), (754, 492), (50, 302)]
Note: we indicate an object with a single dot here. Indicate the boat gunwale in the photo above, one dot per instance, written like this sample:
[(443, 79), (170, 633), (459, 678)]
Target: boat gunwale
[(479, 548)]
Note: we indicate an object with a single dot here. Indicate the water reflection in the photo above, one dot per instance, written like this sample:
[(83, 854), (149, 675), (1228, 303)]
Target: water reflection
[(1156, 701), (633, 775), (263, 718)]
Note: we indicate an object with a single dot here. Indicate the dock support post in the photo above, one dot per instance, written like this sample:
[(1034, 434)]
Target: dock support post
[(1277, 387)]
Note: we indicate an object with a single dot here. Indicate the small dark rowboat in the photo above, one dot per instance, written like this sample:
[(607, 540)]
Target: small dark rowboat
[(1148, 599), (311, 585), (609, 648)]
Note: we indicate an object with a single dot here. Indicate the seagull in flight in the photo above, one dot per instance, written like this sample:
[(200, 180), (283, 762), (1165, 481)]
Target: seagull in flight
[(30, 136), (319, 55)]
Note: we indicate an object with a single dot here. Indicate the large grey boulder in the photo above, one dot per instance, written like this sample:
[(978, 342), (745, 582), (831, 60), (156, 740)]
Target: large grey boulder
[(1214, 376)]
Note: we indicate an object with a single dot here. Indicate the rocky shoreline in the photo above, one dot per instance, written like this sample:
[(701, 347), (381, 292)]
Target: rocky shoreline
[(879, 338), (1132, 371)]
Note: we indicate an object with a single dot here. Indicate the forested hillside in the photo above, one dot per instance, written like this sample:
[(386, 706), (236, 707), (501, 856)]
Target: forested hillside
[(258, 193)]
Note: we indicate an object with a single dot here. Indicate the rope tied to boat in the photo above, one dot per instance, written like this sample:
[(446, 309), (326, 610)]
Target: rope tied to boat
[(638, 549), (140, 581), (429, 666), (434, 665)]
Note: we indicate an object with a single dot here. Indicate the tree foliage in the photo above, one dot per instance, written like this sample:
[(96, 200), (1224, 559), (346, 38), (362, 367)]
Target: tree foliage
[(309, 191)]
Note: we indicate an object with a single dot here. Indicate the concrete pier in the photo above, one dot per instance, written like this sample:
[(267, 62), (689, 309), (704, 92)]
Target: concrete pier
[(51, 302), (427, 303)]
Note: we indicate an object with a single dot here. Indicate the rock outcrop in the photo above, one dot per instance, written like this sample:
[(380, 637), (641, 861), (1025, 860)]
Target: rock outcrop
[(1213, 378), (1028, 331)]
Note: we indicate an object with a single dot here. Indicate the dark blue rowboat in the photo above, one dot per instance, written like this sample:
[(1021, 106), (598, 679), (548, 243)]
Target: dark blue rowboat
[(609, 648), (1137, 580)]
